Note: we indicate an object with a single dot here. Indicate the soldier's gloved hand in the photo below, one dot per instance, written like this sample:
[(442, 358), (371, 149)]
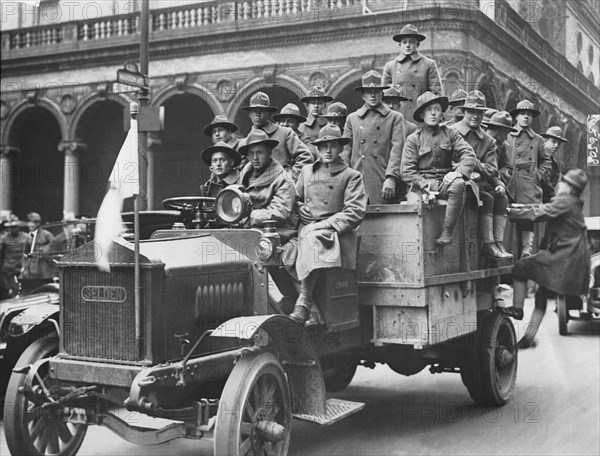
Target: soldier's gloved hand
[(305, 215), (500, 189), (448, 179), (389, 188)]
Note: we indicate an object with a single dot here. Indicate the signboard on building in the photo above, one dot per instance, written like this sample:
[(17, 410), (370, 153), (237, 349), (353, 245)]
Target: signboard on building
[(593, 140)]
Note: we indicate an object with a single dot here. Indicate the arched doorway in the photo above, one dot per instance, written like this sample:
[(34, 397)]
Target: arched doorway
[(279, 95), (350, 97), (38, 165), (101, 130), (179, 170)]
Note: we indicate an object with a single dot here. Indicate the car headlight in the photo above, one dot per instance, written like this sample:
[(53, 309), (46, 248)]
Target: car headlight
[(233, 204), (264, 249)]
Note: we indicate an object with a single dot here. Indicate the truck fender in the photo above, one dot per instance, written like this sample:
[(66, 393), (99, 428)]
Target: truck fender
[(296, 353), (34, 317)]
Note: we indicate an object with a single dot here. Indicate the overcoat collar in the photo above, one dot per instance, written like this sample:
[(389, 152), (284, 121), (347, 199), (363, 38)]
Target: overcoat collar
[(527, 130), (434, 131), (266, 178), (415, 57), (334, 168), (269, 128), (464, 129), (230, 179), (381, 109)]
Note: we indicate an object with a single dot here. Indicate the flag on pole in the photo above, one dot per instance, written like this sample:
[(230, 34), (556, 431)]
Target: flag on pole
[(123, 183)]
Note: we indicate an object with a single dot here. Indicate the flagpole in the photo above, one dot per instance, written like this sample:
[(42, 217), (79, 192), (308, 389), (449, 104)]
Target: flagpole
[(136, 255)]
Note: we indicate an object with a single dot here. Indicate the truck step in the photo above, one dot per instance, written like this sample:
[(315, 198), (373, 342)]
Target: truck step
[(335, 410)]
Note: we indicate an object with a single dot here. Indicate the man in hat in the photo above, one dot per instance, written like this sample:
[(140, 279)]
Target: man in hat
[(553, 138), (270, 188), (37, 267), (457, 99), (289, 151), (221, 129), (498, 127), (12, 249), (530, 165), (393, 99), (222, 160), (411, 71), (332, 202), (487, 115), (315, 102), (564, 266), (377, 135), (485, 176), (336, 114), (290, 117), (428, 158)]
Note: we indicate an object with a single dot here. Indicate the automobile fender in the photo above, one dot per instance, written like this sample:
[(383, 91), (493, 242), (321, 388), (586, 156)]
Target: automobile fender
[(34, 317), (296, 353)]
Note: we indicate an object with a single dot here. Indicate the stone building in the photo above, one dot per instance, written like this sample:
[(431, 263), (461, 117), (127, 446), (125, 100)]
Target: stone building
[(62, 115)]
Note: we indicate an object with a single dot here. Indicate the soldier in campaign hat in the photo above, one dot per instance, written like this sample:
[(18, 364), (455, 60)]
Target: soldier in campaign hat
[(290, 117), (530, 164), (336, 114), (222, 160), (487, 115), (289, 150), (455, 102), (221, 129), (377, 135), (393, 99), (563, 267), (485, 177), (428, 161), (315, 102), (553, 138), (411, 71)]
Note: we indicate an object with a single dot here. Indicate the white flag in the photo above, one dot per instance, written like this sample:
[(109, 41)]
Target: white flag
[(123, 183)]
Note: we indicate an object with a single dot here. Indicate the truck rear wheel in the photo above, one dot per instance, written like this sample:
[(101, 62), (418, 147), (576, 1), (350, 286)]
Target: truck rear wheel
[(255, 415), (29, 428)]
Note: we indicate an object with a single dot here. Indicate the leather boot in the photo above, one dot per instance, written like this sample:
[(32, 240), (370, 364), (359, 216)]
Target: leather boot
[(305, 300), (456, 201), (487, 236), (499, 225), (526, 243)]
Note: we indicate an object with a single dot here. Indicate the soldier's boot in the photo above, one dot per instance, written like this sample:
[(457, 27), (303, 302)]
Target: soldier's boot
[(526, 243), (456, 201), (487, 236), (519, 294), (305, 300), (499, 226)]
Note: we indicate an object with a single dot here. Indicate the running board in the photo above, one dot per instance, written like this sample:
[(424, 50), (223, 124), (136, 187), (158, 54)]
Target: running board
[(335, 410)]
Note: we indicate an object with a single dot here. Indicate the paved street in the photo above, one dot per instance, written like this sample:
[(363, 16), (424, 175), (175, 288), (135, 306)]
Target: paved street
[(554, 410)]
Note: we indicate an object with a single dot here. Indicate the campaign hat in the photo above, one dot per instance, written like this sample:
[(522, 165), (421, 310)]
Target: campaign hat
[(487, 115), (458, 97), (331, 133), (475, 100), (394, 92), (260, 100), (221, 146), (335, 110), (220, 120), (316, 93), (407, 31), (524, 105), (501, 119), (577, 178), (258, 136), (371, 80), (426, 99), (289, 110), (556, 133)]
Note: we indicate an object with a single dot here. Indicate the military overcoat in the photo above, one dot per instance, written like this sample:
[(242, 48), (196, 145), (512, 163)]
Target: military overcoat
[(563, 267), (335, 193), (376, 148)]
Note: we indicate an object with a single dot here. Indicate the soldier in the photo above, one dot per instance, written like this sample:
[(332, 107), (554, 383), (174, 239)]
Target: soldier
[(332, 202), (315, 102), (37, 267), (456, 101), (270, 188), (393, 99), (290, 152), (222, 160), (336, 114), (530, 165), (489, 186), (221, 129), (553, 138), (487, 115), (12, 250), (427, 161), (564, 266), (290, 117), (498, 127), (377, 135), (411, 71)]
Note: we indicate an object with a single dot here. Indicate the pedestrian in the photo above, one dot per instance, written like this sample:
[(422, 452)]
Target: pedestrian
[(487, 183), (336, 114), (411, 71), (428, 157), (498, 127), (37, 268), (530, 165), (553, 138), (290, 152), (12, 250), (377, 137), (223, 161), (563, 267), (332, 202), (457, 99), (393, 99), (315, 102)]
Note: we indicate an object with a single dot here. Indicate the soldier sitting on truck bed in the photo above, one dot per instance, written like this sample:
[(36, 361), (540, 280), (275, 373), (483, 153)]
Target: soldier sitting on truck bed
[(332, 201), (222, 160), (428, 156)]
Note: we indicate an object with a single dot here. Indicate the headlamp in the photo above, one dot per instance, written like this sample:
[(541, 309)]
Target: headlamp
[(265, 249), (233, 204)]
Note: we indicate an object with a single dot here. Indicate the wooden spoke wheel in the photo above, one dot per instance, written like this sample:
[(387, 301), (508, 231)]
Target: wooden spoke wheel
[(562, 311), (31, 428), (255, 415)]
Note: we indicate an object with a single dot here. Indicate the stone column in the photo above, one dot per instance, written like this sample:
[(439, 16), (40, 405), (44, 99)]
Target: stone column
[(6, 179), (71, 150), (154, 144)]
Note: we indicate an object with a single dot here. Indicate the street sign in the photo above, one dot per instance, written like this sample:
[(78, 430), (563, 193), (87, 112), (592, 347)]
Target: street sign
[(117, 87), (133, 79)]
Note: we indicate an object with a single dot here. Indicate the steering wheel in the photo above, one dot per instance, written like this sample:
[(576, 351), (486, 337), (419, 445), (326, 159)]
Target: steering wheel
[(196, 211)]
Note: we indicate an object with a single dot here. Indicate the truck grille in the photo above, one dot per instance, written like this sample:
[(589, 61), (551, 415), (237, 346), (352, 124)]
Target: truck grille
[(98, 313)]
